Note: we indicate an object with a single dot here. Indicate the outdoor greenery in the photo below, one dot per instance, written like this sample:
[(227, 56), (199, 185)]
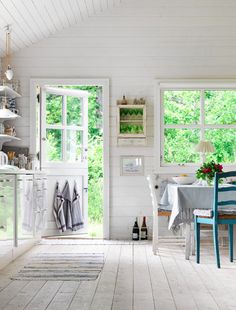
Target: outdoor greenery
[(73, 145), (182, 108)]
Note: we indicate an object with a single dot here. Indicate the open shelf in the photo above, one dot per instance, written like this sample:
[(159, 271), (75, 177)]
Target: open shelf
[(131, 121), (6, 91), (6, 114), (7, 138)]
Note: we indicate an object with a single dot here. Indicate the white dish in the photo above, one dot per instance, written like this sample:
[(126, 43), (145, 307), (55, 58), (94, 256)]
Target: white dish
[(184, 180)]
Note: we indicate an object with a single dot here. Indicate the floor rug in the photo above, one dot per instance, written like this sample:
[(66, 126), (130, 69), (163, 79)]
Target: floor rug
[(62, 267)]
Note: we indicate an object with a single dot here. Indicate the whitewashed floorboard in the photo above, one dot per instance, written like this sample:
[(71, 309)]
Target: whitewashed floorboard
[(162, 293), (10, 292), (25, 295), (106, 286), (143, 294), (64, 296), (217, 280), (44, 296), (84, 296), (123, 296), (201, 295), (183, 297), (132, 279)]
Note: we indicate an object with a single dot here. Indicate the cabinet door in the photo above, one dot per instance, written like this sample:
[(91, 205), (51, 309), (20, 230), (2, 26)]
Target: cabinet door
[(25, 210), (6, 214), (40, 194)]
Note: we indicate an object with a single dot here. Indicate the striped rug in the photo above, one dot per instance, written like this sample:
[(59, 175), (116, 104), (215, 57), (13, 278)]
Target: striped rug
[(62, 267)]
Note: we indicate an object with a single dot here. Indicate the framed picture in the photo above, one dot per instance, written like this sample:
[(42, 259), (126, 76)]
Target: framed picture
[(131, 165)]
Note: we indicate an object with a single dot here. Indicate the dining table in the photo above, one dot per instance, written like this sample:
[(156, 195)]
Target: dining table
[(183, 200)]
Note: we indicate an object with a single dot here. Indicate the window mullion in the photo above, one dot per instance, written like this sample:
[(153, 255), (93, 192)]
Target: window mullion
[(64, 134), (162, 129), (202, 116)]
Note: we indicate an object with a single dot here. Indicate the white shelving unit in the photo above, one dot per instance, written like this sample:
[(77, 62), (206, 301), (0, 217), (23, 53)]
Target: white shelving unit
[(5, 114)]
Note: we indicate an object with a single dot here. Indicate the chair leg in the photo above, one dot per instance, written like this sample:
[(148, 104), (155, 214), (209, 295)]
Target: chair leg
[(197, 239), (192, 240), (231, 242), (216, 244)]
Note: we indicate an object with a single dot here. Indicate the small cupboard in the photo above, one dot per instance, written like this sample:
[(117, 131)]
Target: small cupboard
[(131, 124), (131, 121)]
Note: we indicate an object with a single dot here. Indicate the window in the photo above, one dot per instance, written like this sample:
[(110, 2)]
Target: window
[(189, 115), (64, 125)]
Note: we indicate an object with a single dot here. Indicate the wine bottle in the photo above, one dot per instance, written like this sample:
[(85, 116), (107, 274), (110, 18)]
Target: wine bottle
[(144, 231), (135, 234)]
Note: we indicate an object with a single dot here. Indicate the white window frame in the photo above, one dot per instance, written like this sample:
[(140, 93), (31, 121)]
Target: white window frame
[(202, 85), (82, 163)]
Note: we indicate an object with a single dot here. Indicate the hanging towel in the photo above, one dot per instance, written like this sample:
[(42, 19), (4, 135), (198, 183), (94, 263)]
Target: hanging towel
[(58, 209), (67, 205), (76, 212)]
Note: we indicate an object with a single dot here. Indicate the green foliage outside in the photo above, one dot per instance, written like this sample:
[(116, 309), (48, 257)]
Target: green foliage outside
[(183, 108), (95, 143)]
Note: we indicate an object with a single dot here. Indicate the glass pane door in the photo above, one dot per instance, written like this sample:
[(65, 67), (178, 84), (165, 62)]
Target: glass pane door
[(64, 126)]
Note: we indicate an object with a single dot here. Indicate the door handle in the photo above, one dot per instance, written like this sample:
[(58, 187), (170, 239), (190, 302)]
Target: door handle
[(44, 139), (86, 189)]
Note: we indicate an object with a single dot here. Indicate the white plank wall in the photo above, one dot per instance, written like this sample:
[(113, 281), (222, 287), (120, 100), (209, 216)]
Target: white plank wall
[(132, 44)]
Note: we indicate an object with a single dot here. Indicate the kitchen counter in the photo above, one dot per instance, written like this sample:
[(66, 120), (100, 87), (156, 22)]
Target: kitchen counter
[(20, 171)]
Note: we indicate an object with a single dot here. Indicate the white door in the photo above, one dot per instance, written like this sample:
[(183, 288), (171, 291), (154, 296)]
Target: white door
[(64, 141)]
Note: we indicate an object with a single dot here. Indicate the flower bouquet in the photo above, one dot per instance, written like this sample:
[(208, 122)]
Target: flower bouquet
[(207, 171)]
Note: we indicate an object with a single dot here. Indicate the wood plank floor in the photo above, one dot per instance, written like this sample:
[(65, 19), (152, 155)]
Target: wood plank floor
[(132, 279)]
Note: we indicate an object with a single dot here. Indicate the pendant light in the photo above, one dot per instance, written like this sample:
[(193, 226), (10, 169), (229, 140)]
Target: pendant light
[(9, 73)]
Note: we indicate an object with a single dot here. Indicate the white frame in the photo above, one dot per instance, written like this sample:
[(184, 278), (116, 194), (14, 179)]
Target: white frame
[(104, 83), (159, 125), (125, 171), (64, 127)]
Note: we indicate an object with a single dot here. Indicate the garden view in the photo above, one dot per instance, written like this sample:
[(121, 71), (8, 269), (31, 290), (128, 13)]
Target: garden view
[(187, 113), (95, 146)]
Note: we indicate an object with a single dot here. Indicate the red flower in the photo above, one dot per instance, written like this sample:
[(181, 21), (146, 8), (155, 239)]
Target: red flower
[(219, 167), (206, 170)]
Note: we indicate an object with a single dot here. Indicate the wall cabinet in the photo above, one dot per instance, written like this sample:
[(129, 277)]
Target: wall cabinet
[(22, 213), (131, 124)]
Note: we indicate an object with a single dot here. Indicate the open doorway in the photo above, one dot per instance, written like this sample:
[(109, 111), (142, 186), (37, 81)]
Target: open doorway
[(57, 110)]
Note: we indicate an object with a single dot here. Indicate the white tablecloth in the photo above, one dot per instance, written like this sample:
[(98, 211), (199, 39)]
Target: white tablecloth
[(183, 199)]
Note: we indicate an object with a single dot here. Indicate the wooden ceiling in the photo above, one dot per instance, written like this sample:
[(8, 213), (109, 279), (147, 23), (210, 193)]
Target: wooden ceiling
[(34, 20)]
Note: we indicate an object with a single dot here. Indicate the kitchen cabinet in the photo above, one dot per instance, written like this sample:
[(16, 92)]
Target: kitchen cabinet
[(23, 206), (7, 215)]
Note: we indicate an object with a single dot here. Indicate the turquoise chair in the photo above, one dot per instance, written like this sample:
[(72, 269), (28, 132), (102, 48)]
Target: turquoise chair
[(217, 216)]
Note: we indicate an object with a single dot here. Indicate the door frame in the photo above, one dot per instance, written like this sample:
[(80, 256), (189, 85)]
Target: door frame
[(104, 83)]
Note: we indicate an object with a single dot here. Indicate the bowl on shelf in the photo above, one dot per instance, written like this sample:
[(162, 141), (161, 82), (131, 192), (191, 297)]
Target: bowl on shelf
[(184, 180)]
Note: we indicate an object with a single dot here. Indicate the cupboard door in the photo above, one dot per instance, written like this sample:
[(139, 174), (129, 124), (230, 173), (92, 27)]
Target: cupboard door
[(40, 191), (6, 214), (25, 210)]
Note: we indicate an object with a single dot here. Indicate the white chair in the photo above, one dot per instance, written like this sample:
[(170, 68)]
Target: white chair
[(158, 211)]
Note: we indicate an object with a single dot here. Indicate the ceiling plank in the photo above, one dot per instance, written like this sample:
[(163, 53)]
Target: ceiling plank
[(34, 20)]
